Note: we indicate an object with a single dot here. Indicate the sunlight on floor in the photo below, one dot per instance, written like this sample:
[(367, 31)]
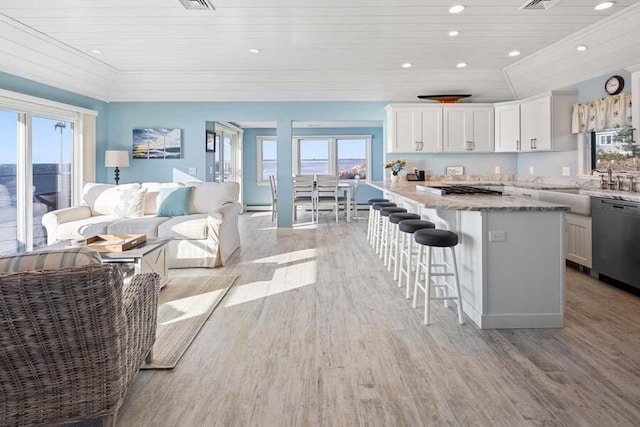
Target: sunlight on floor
[(288, 257), (284, 279), (186, 308)]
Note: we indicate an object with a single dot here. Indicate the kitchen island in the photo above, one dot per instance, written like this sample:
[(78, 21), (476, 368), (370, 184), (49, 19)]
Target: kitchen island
[(510, 253)]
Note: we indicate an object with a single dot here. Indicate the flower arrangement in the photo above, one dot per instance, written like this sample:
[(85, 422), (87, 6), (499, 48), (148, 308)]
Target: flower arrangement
[(396, 166)]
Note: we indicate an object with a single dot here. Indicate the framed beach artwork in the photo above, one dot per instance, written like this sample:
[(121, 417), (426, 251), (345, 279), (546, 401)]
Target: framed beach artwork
[(157, 143)]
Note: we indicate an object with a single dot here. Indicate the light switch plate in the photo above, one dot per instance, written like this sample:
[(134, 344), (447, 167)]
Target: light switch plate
[(192, 171), (455, 170), (497, 236), (566, 171)]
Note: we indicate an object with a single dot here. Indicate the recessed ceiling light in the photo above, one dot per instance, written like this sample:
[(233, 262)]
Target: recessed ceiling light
[(457, 8), (407, 65), (96, 51), (461, 64), (254, 50), (581, 48), (453, 33), (604, 5), (514, 53)]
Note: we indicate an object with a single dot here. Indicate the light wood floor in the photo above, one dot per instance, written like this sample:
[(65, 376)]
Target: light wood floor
[(315, 333)]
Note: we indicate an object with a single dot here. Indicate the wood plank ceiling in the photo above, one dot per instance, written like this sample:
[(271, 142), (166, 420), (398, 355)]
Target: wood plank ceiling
[(155, 50)]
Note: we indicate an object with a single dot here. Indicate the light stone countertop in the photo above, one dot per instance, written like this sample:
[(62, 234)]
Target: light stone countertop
[(466, 202)]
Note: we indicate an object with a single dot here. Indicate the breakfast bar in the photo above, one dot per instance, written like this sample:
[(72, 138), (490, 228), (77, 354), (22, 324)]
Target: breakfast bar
[(510, 253)]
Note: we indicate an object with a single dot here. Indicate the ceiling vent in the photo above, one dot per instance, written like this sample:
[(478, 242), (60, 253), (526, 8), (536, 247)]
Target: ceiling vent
[(538, 4), (197, 5)]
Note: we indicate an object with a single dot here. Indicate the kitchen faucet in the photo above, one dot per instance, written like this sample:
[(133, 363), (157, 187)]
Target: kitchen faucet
[(608, 183)]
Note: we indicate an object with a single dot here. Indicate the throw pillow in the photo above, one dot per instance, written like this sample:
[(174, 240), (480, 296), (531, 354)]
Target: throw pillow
[(129, 203), (174, 201)]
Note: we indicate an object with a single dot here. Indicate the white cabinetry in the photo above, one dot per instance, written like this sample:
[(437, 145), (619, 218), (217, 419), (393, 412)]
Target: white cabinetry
[(507, 127), (468, 128), (412, 129), (545, 123), (578, 238)]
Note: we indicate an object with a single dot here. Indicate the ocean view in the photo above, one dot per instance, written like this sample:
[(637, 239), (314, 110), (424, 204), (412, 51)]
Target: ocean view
[(347, 168)]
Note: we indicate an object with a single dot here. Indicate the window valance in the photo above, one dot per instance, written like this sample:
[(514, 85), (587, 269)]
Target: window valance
[(604, 113)]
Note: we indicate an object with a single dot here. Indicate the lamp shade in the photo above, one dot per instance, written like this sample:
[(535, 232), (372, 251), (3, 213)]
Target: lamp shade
[(116, 158)]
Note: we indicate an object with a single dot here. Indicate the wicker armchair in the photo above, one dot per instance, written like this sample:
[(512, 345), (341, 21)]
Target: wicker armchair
[(71, 342)]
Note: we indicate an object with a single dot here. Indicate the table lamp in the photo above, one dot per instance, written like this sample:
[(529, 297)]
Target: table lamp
[(117, 159)]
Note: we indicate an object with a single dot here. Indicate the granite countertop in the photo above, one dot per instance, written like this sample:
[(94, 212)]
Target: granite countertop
[(467, 202)]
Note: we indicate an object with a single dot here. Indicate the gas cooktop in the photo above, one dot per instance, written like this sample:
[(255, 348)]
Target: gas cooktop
[(442, 190)]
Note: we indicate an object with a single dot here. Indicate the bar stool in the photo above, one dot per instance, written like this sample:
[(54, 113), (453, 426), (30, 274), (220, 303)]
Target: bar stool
[(430, 239), (384, 238), (394, 244), (377, 223), (370, 223), (407, 228)]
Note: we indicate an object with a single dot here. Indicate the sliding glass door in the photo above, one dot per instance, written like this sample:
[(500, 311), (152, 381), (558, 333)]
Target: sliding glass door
[(51, 156)]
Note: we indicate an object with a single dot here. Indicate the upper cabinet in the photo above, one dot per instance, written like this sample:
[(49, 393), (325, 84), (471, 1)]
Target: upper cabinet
[(468, 128), (541, 123), (414, 129), (507, 127), (545, 123)]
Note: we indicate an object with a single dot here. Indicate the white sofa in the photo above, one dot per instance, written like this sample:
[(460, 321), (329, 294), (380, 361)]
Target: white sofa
[(206, 237)]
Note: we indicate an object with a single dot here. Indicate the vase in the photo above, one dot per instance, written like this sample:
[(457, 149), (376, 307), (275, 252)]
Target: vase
[(395, 178)]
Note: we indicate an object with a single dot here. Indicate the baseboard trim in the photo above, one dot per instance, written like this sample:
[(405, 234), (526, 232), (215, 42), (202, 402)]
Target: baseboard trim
[(522, 321), (284, 231)]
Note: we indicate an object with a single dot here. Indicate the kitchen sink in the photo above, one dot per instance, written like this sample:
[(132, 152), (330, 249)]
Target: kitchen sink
[(578, 200)]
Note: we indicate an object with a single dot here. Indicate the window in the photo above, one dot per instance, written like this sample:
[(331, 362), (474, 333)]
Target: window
[(41, 165), (267, 157), (614, 149), (345, 156)]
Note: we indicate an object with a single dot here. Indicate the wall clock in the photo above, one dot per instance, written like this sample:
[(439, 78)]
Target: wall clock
[(614, 85)]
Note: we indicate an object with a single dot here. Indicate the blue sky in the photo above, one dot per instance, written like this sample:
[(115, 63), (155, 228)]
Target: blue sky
[(46, 139)]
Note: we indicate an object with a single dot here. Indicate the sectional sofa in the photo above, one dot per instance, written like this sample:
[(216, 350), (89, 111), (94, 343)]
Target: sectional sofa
[(205, 234)]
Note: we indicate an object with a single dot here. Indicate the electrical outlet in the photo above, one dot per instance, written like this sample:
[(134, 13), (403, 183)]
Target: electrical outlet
[(497, 236), (497, 170), (192, 171), (532, 170), (566, 171)]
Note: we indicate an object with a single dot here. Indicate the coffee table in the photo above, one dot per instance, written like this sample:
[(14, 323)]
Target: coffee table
[(149, 257)]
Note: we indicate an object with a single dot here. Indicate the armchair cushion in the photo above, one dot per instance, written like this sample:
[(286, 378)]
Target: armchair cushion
[(50, 260)]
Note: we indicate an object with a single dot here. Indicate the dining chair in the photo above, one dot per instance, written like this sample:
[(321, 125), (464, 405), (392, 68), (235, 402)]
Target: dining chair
[(328, 194), (274, 197), (303, 194)]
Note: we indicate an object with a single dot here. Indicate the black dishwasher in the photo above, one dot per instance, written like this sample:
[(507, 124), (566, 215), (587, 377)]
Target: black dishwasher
[(616, 240)]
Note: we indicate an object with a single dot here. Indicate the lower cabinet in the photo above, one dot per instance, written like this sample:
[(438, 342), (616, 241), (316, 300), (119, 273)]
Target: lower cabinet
[(578, 239)]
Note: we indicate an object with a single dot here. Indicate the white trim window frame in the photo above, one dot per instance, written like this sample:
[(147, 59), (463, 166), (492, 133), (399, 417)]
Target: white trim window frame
[(27, 108), (333, 151), (260, 140)]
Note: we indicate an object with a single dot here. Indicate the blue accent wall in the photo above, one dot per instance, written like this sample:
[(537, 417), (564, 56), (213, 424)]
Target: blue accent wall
[(191, 117)]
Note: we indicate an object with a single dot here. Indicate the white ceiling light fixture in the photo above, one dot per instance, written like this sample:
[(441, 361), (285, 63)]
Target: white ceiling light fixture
[(461, 64), (453, 33), (255, 50), (407, 65), (457, 8), (604, 5), (96, 51), (514, 53), (582, 47)]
